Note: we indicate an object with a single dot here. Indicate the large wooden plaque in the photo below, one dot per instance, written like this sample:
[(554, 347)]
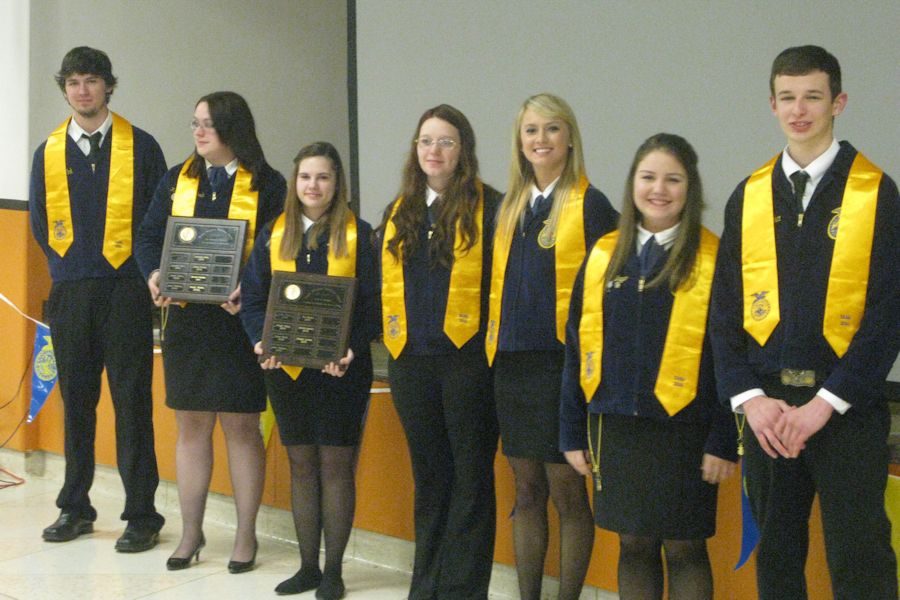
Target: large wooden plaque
[(308, 318), (201, 259)]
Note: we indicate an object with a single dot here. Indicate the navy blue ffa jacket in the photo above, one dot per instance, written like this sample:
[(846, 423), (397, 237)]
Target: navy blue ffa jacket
[(804, 261), (87, 195), (528, 313), (635, 324), (257, 279), (270, 184), (426, 286)]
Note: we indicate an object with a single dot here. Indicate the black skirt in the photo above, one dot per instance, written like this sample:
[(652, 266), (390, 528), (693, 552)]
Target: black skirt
[(651, 479), (209, 363), (319, 409), (526, 385)]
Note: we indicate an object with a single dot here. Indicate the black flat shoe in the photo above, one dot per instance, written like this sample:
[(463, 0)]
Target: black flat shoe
[(302, 581), (177, 563), (240, 566), (331, 588), (137, 539), (67, 527)]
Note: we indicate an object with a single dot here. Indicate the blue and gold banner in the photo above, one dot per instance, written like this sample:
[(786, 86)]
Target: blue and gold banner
[(43, 373)]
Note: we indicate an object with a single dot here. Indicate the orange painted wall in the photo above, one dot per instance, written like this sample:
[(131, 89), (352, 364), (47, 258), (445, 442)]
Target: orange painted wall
[(384, 482)]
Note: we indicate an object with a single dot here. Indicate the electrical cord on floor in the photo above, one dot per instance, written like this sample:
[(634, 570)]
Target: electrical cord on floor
[(9, 479)]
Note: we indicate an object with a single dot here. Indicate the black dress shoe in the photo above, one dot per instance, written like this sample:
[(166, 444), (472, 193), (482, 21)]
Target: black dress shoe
[(302, 581), (331, 588), (177, 563), (137, 539), (67, 527), (242, 566)]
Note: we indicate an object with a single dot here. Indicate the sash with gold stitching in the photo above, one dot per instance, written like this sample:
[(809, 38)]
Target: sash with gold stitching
[(117, 231), (852, 229), (569, 254), (463, 314), (679, 369), (243, 205)]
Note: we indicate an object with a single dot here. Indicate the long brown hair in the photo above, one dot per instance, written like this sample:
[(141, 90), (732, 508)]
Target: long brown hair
[(458, 201), (336, 216), (679, 265)]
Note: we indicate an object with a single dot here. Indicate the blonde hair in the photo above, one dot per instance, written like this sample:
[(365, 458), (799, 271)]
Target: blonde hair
[(521, 173)]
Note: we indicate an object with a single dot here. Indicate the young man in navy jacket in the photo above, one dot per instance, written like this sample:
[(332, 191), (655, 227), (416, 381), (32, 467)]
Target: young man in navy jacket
[(805, 325), (91, 183)]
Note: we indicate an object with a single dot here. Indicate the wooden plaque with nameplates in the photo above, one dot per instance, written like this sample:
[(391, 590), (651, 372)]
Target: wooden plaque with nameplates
[(201, 259), (308, 318)]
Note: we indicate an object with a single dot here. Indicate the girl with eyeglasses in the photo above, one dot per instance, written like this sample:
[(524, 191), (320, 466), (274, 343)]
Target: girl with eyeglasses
[(434, 267), (211, 372)]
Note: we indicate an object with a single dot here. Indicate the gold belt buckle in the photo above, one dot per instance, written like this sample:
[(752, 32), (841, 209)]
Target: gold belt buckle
[(798, 377)]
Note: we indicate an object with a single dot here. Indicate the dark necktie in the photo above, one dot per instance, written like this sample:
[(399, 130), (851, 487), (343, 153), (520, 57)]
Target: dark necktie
[(650, 254), (799, 179), (433, 209), (94, 140), (533, 208), (217, 176)]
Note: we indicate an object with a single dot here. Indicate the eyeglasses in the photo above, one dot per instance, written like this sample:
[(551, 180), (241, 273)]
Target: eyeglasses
[(207, 125), (445, 142)]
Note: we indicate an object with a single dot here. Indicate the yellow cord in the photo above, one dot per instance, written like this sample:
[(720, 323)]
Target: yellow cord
[(595, 455)]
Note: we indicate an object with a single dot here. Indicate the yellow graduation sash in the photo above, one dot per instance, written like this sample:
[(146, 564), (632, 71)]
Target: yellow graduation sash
[(342, 266), (849, 275), (679, 368), (463, 314), (119, 197), (569, 255), (243, 205)]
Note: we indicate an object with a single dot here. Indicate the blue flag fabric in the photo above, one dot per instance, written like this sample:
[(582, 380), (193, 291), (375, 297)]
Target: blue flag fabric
[(43, 372), (749, 530)]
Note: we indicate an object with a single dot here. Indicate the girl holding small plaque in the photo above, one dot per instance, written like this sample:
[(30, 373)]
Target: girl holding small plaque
[(210, 368), (319, 413), (653, 436)]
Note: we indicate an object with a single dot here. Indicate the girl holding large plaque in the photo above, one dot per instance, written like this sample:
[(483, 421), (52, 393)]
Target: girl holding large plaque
[(319, 413), (210, 369), (549, 217), (435, 266), (639, 407)]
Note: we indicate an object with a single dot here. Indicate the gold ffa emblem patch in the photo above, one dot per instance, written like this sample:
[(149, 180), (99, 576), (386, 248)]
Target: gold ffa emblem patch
[(59, 229), (759, 310), (393, 326), (45, 361), (833, 224)]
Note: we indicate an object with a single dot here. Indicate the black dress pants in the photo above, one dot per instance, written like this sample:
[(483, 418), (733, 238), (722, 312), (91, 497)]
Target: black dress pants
[(846, 464), (446, 407), (97, 323)]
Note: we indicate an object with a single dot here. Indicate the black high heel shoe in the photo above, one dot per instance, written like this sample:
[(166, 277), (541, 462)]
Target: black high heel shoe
[(176, 563), (242, 566)]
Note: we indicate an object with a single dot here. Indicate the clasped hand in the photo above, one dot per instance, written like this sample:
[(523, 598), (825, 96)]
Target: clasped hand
[(782, 429)]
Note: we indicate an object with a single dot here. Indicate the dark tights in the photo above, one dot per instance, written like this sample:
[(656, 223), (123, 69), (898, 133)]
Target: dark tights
[(536, 482), (323, 498), (641, 568)]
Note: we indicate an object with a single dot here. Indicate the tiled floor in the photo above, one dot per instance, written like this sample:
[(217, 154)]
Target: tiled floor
[(89, 568)]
